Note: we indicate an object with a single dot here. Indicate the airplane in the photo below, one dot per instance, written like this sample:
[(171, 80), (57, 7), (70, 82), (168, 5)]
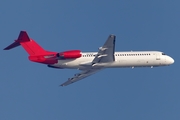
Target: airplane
[(90, 62)]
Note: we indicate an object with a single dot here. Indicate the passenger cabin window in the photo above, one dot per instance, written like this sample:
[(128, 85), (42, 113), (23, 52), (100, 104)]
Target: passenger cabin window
[(140, 54)]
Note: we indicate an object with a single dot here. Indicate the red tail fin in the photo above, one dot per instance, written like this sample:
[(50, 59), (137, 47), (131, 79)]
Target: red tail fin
[(35, 51), (31, 47)]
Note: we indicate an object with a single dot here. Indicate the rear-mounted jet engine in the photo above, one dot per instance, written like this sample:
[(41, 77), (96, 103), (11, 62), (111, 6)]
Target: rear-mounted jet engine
[(71, 54)]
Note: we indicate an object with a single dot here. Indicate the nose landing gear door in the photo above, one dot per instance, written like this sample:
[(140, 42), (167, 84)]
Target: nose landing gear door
[(158, 56)]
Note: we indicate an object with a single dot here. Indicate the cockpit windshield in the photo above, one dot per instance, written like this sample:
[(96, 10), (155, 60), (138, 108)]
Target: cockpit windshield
[(163, 54)]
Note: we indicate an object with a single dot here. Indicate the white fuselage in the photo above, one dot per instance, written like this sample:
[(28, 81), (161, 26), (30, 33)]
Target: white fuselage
[(122, 59)]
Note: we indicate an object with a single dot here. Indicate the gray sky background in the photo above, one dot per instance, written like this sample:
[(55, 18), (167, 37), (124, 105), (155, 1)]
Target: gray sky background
[(30, 91)]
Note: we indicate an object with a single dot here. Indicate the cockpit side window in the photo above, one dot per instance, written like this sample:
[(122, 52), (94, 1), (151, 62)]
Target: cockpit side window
[(163, 54)]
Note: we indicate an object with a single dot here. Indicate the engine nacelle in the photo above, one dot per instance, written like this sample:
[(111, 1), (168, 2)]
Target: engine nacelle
[(71, 54)]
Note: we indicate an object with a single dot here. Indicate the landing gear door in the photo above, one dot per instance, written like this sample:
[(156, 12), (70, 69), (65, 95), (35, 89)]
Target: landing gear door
[(158, 56)]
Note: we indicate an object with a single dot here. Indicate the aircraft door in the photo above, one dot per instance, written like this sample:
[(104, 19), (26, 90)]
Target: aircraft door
[(158, 56)]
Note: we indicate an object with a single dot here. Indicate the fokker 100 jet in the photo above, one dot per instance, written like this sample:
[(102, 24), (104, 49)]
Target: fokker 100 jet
[(90, 62)]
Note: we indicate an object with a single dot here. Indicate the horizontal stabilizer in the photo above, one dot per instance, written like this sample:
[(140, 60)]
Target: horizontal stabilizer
[(23, 37), (15, 44)]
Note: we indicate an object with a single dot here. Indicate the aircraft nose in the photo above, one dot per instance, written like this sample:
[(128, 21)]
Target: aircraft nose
[(170, 60)]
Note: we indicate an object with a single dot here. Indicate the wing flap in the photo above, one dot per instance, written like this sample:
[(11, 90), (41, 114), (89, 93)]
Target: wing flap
[(80, 76)]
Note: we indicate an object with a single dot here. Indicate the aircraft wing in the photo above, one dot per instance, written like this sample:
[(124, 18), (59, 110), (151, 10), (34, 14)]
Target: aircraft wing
[(80, 76), (106, 52)]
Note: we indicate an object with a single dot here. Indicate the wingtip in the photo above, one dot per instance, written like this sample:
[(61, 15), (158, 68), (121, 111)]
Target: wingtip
[(61, 85), (112, 35)]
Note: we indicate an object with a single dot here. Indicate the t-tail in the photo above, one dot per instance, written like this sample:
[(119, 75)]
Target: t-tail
[(35, 51)]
